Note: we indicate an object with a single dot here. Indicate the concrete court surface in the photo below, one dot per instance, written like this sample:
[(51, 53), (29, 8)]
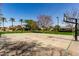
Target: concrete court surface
[(47, 40)]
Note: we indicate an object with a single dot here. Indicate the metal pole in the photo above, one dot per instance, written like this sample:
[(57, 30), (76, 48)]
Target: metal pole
[(57, 20), (76, 30)]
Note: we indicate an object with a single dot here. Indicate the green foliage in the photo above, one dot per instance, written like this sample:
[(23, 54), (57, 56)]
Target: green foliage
[(31, 24), (27, 27), (57, 28)]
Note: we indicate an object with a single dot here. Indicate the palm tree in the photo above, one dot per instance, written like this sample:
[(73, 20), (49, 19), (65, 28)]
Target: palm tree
[(21, 20), (12, 20), (3, 21)]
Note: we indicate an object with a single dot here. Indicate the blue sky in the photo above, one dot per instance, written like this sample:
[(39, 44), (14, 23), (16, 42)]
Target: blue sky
[(32, 10)]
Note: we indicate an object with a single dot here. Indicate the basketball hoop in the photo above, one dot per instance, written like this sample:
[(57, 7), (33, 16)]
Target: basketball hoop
[(66, 19)]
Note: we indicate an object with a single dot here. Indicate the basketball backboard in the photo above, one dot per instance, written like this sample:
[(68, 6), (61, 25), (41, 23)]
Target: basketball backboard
[(69, 19)]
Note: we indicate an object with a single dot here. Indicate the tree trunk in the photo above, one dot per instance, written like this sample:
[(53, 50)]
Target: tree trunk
[(3, 26), (12, 25), (22, 27)]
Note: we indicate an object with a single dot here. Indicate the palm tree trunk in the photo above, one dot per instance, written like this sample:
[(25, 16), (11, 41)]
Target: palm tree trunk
[(21, 23), (12, 23), (3, 26), (21, 26), (12, 26)]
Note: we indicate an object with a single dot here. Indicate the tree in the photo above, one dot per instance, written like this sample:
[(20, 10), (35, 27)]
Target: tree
[(44, 21), (32, 24), (12, 20), (27, 27), (3, 19), (21, 20), (73, 13), (56, 28)]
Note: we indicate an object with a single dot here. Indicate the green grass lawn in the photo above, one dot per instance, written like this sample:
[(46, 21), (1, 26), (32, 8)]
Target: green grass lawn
[(15, 32), (47, 32), (54, 32), (61, 33)]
